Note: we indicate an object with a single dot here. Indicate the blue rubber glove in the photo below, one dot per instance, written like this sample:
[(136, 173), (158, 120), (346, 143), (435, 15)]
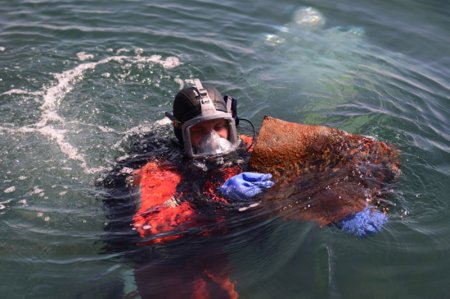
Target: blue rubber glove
[(246, 185), (364, 223)]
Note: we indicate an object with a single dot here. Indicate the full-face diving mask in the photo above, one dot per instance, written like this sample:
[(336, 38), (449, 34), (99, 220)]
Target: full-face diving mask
[(211, 143)]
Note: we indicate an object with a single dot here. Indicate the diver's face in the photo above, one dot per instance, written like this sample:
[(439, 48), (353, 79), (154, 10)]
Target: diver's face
[(202, 129)]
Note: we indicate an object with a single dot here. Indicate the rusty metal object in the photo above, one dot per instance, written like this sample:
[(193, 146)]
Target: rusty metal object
[(321, 174)]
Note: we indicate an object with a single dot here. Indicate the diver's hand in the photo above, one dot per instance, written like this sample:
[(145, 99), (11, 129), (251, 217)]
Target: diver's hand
[(364, 223), (246, 185)]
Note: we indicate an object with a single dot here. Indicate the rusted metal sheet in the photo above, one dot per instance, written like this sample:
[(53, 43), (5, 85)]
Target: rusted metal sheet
[(321, 174)]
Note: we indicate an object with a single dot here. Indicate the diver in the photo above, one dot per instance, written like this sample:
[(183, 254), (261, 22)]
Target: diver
[(188, 193), (204, 124)]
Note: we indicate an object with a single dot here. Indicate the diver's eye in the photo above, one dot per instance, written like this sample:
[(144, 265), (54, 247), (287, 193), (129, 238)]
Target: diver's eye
[(220, 126)]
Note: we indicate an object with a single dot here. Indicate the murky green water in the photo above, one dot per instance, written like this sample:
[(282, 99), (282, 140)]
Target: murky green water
[(79, 78)]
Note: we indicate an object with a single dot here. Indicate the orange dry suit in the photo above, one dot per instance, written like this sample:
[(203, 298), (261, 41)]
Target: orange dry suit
[(176, 201), (165, 211)]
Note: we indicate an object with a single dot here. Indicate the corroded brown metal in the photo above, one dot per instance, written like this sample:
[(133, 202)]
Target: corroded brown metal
[(321, 173)]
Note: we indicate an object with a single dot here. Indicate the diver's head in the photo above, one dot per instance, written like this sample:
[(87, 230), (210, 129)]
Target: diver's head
[(203, 121)]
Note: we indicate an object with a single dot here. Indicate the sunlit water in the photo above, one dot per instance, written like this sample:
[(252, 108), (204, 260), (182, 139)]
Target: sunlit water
[(79, 80)]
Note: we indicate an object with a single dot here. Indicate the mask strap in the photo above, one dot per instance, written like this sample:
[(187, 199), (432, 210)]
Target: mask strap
[(229, 106), (199, 88), (232, 107), (176, 122), (206, 104)]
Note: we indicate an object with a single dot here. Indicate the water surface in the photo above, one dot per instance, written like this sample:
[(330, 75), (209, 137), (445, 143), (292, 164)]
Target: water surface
[(78, 79)]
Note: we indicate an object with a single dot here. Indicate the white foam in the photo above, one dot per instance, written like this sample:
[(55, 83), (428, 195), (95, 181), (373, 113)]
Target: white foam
[(36, 191), (53, 96), (164, 121), (170, 62), (138, 51), (122, 50), (180, 82), (82, 56), (2, 49), (66, 148), (123, 158), (21, 92), (106, 129), (10, 189), (4, 202)]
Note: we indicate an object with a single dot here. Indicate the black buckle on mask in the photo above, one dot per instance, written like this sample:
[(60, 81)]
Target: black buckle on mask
[(227, 98)]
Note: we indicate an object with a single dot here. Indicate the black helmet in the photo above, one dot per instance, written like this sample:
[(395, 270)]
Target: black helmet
[(187, 105), (195, 105)]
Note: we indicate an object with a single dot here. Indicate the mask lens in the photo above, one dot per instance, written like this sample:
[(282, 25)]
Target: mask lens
[(211, 137)]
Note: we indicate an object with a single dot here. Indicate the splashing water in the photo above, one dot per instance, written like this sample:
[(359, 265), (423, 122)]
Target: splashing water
[(52, 97), (78, 85)]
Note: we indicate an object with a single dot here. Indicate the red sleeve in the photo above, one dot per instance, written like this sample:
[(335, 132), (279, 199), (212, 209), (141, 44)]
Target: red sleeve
[(159, 211), (248, 141)]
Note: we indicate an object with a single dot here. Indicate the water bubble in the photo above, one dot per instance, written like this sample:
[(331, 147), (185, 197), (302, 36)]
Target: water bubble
[(309, 17), (273, 40)]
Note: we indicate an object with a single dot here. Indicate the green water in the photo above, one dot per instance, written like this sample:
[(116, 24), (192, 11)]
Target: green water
[(78, 79)]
